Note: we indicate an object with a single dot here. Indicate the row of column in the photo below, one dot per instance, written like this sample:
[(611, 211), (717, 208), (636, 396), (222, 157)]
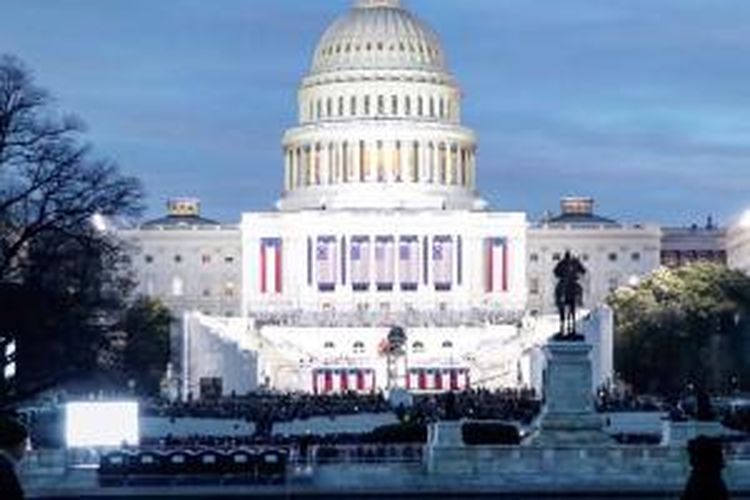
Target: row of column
[(423, 162), (381, 105)]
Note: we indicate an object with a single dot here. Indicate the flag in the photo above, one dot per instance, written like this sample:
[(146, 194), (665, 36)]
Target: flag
[(270, 265), (442, 262), (497, 265), (408, 260), (360, 262), (384, 262), (325, 259)]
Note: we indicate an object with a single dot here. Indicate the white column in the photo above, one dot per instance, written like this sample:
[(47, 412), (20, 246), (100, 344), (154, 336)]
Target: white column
[(406, 151), (356, 163), (287, 170)]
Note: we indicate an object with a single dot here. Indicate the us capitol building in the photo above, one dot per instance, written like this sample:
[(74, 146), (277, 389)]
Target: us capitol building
[(380, 224)]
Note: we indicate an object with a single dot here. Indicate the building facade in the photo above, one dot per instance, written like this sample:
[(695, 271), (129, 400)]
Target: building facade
[(380, 224), (738, 244), (613, 254), (685, 245), (189, 262)]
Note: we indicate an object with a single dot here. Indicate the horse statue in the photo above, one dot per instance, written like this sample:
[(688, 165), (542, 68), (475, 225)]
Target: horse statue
[(568, 295)]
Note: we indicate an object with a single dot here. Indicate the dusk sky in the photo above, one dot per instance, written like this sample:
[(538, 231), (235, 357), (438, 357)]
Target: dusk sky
[(643, 104)]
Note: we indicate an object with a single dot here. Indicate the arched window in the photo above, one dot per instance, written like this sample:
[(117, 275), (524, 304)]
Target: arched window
[(417, 347), (178, 287)]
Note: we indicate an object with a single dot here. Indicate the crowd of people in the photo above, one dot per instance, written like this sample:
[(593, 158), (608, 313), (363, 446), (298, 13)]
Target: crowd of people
[(277, 407), (614, 401), (480, 404), (514, 405)]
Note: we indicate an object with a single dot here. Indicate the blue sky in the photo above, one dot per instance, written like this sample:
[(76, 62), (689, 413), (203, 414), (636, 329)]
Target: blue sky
[(643, 104)]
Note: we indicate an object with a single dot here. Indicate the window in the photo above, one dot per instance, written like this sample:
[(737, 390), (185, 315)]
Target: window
[(329, 345), (381, 105), (417, 347), (367, 104), (229, 259), (206, 292), (534, 257), (149, 259), (341, 106), (178, 259), (358, 347), (353, 106), (205, 259), (612, 257), (229, 289), (394, 105), (447, 344), (178, 287), (407, 106), (635, 256), (534, 286), (614, 283), (556, 256)]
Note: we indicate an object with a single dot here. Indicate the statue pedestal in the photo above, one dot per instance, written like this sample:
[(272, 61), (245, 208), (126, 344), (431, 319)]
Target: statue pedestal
[(446, 434), (569, 416), (681, 433)]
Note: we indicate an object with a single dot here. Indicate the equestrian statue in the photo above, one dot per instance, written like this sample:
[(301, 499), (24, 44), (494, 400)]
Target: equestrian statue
[(568, 295)]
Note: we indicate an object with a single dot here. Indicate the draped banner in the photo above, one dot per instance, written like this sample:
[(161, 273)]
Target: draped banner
[(408, 263), (438, 379), (326, 263), (359, 258), (342, 380), (442, 262), (270, 265), (385, 262), (497, 265)]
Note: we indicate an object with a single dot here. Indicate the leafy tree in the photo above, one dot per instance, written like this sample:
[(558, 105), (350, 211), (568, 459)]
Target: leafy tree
[(62, 278), (146, 352), (685, 326)]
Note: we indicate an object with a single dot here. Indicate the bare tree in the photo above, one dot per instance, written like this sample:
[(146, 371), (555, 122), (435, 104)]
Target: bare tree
[(64, 276), (50, 186)]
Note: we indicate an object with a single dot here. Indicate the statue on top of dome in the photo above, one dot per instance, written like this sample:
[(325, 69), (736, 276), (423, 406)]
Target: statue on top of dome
[(366, 4)]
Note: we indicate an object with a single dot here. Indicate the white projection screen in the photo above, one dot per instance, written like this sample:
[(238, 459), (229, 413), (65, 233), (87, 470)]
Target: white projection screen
[(106, 424)]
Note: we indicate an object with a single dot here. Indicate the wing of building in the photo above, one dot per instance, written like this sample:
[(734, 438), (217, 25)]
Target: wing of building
[(738, 244), (380, 223)]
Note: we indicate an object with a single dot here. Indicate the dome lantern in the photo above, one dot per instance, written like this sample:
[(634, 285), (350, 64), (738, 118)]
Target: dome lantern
[(369, 4)]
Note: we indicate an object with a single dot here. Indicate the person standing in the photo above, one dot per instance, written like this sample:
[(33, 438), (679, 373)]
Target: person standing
[(13, 442)]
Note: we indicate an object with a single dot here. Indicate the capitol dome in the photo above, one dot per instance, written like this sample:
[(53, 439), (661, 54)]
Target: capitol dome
[(378, 34), (379, 120)]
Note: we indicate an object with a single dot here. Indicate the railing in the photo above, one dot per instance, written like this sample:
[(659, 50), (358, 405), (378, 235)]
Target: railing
[(362, 454), (435, 318)]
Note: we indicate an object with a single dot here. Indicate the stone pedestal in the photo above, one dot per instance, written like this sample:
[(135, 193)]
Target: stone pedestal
[(681, 433), (569, 416), (446, 434)]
